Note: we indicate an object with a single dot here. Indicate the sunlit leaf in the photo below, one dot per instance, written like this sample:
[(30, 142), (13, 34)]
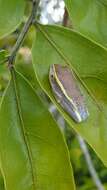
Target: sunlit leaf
[(33, 153), (56, 45)]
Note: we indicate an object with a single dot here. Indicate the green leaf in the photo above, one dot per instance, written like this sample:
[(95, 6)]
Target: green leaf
[(56, 45), (11, 15), (33, 153), (90, 18)]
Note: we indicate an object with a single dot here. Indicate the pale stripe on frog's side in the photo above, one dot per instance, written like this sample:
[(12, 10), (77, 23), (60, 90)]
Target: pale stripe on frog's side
[(69, 97)]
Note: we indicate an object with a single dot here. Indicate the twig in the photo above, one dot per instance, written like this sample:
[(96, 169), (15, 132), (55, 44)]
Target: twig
[(90, 165), (65, 19), (24, 32)]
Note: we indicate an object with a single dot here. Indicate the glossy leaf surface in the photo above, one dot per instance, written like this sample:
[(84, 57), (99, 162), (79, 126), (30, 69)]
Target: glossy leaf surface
[(33, 153), (11, 15), (89, 17), (56, 45)]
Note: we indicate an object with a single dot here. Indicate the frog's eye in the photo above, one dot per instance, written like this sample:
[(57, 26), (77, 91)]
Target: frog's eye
[(52, 75)]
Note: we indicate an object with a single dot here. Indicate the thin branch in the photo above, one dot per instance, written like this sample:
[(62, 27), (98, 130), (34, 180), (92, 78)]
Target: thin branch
[(65, 19), (66, 22), (24, 32), (90, 165)]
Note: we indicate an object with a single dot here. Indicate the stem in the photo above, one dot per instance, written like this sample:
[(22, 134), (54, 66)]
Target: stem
[(23, 32), (65, 19), (90, 165)]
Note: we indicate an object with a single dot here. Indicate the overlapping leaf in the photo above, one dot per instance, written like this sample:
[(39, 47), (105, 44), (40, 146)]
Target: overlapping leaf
[(56, 45), (33, 154), (11, 15), (89, 17)]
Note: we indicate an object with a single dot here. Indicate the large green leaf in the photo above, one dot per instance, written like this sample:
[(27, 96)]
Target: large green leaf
[(33, 154), (90, 18), (11, 15), (56, 45)]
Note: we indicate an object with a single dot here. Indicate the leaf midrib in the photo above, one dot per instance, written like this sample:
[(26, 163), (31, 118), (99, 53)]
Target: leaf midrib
[(25, 138)]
